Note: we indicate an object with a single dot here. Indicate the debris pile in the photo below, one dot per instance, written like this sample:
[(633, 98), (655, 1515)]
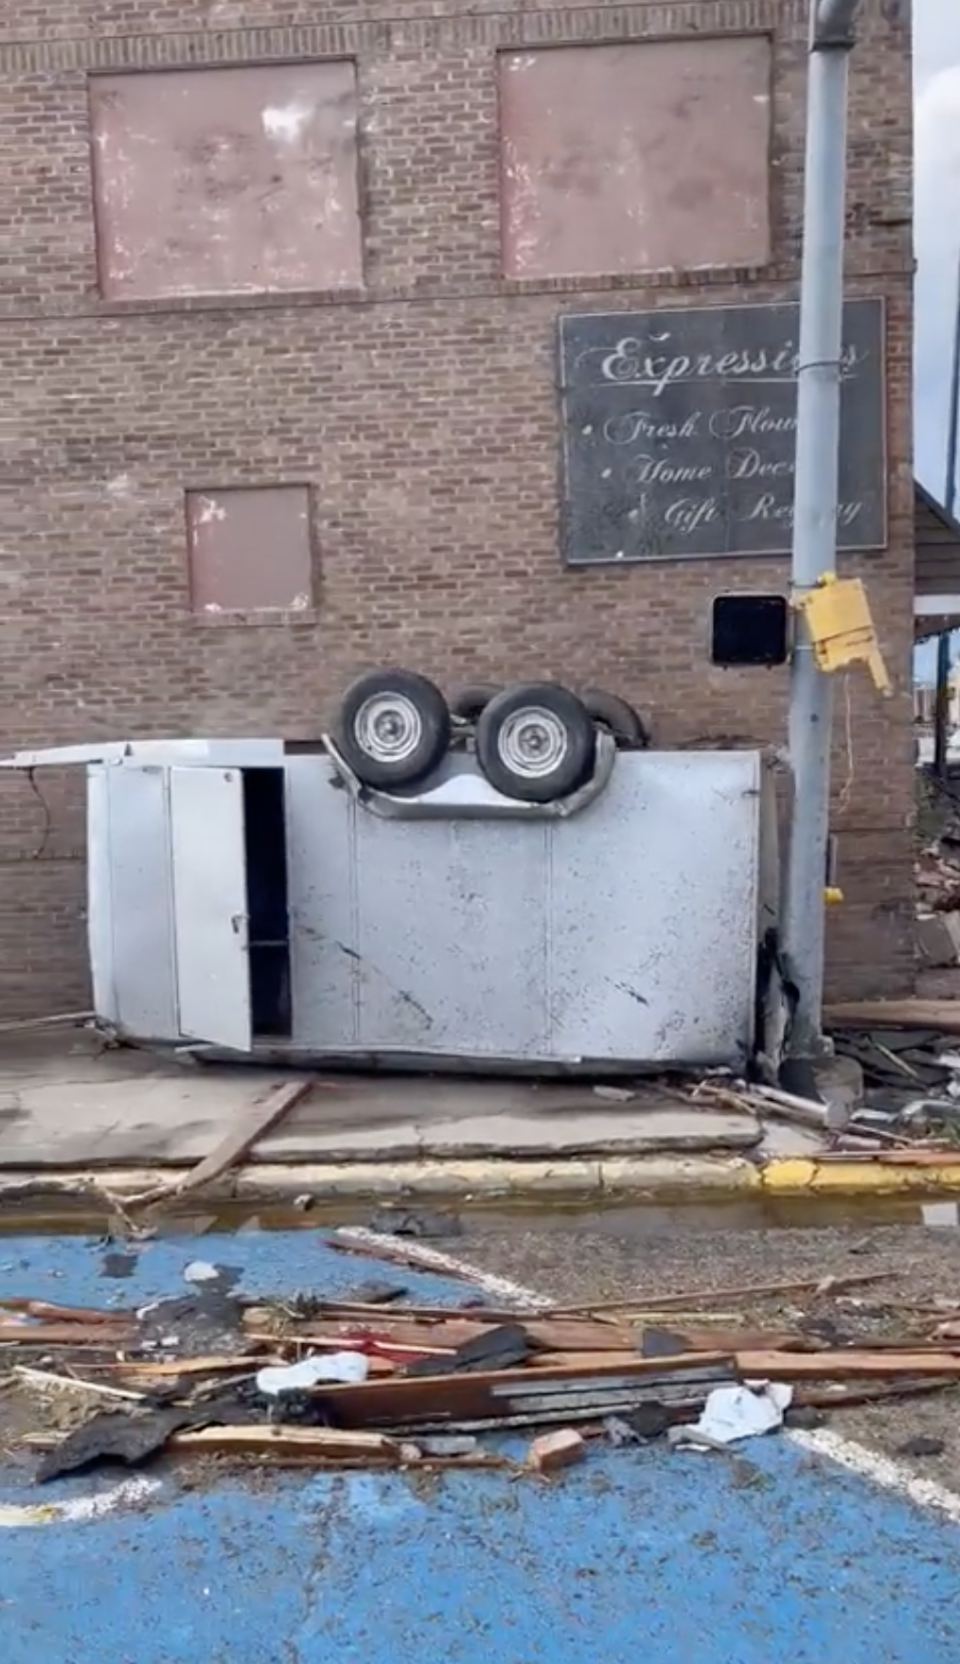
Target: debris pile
[(937, 871), (373, 1381), (909, 1052)]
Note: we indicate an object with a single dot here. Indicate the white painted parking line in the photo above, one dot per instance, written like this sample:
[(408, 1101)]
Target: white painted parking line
[(883, 1470), (130, 1493)]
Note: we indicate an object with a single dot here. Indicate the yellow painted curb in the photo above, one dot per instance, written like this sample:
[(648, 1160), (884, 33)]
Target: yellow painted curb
[(653, 1178), (803, 1176)]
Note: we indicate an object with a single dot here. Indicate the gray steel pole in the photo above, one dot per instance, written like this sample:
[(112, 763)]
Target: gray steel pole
[(941, 711), (815, 506), (953, 430)]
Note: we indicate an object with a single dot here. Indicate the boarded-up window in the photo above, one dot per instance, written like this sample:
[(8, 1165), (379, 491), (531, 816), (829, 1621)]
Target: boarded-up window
[(250, 550), (226, 181), (635, 158)]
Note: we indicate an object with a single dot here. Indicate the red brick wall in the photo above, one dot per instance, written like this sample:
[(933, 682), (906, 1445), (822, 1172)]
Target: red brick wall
[(423, 415)]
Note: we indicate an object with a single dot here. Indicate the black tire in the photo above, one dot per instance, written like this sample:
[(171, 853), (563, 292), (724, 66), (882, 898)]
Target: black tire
[(393, 728), (618, 717), (469, 702), (536, 712)]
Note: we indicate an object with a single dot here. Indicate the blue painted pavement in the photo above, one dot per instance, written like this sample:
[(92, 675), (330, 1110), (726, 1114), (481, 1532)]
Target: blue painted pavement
[(675, 1558)]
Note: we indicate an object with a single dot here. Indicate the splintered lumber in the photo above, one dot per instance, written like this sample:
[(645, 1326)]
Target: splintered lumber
[(836, 1396), (479, 1394), (798, 1366), (943, 1015), (160, 1367), (64, 1314), (747, 1340), (64, 1334), (46, 1379), (701, 1297), (259, 1440), (436, 1335), (585, 1363), (262, 1115)]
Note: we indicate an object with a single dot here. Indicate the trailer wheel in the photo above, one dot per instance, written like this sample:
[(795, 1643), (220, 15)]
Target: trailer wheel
[(535, 742), (393, 728), (467, 703), (618, 717)]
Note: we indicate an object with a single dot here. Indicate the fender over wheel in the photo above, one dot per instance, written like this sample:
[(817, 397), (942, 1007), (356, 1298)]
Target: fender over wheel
[(468, 703), (618, 717)]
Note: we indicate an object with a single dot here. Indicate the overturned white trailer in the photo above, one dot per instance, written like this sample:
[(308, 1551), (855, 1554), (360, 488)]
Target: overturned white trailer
[(255, 897)]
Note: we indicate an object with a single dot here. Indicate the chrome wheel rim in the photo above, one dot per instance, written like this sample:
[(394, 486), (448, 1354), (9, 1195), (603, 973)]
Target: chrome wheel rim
[(532, 743), (388, 728)]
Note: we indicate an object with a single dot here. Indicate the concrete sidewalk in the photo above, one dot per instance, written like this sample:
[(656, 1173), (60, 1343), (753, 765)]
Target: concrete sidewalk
[(68, 1109)]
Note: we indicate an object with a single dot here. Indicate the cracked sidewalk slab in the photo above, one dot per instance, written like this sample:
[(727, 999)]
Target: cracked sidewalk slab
[(66, 1111), (70, 1118)]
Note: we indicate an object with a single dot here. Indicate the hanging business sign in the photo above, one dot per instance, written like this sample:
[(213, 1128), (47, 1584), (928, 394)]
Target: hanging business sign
[(679, 428)]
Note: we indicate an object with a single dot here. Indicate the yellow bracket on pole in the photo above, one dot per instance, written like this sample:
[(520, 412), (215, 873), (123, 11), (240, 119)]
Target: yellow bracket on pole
[(841, 627)]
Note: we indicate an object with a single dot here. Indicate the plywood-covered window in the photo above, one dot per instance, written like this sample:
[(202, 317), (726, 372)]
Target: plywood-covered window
[(250, 550), (226, 181), (639, 157)]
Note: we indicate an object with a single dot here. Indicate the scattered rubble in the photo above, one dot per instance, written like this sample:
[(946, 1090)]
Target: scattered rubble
[(937, 874), (355, 1383)]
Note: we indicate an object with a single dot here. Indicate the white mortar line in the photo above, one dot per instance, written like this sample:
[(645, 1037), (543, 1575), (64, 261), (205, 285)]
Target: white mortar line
[(869, 1464)]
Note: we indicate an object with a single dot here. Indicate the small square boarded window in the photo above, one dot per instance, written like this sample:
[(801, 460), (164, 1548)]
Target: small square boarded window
[(250, 549)]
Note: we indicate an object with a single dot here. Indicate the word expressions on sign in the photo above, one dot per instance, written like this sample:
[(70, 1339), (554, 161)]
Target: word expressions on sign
[(679, 430)]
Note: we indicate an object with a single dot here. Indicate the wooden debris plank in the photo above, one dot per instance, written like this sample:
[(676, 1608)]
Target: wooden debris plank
[(798, 1366), (352, 1339), (263, 1114), (330, 1310), (65, 1314), (477, 1394), (746, 1340), (144, 1368), (260, 1440), (543, 1363), (838, 1396), (703, 1296), (943, 1015), (561, 1334), (46, 1379), (64, 1334), (141, 1368), (614, 1314)]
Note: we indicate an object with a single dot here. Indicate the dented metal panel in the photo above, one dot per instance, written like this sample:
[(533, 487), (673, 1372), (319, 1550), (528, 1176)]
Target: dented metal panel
[(623, 934), (635, 157), (227, 180), (250, 549)]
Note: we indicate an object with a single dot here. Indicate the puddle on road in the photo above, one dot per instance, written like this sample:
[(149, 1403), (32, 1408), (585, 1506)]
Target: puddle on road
[(63, 1215)]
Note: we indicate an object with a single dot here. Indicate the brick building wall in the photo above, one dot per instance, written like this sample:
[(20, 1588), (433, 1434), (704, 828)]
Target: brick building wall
[(413, 397)]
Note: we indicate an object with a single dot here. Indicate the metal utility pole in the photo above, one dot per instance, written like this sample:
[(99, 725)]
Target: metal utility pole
[(815, 505), (953, 431), (941, 711)]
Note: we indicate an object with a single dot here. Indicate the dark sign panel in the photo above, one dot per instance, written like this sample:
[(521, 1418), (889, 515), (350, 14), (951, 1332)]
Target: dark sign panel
[(679, 429)]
